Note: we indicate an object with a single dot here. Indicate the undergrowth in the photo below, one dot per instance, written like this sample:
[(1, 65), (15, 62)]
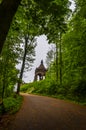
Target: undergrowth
[(53, 90), (11, 104)]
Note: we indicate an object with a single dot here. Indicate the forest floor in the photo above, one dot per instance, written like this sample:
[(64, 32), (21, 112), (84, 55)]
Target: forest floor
[(45, 113)]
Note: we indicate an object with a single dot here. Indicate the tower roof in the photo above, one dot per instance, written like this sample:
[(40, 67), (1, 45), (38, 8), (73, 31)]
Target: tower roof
[(40, 71), (41, 67)]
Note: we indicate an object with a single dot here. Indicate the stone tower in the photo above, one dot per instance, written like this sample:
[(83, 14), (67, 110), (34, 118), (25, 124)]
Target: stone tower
[(40, 72)]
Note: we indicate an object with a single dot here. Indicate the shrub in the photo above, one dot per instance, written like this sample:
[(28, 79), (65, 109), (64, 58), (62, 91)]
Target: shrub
[(11, 104)]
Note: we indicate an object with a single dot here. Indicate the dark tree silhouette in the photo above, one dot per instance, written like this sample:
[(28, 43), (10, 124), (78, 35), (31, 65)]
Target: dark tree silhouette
[(8, 9)]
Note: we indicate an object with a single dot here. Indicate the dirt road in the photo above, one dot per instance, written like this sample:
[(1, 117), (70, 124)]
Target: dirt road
[(44, 113)]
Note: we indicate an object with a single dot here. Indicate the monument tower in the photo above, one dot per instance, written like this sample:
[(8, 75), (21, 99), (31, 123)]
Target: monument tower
[(40, 72)]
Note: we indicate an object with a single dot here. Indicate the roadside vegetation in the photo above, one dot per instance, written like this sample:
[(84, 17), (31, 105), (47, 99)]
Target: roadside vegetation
[(50, 88), (11, 104)]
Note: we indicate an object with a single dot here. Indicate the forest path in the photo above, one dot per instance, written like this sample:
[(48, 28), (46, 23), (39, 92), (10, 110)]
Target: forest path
[(45, 113)]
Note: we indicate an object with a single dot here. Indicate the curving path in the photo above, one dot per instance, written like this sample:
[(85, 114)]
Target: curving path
[(45, 113)]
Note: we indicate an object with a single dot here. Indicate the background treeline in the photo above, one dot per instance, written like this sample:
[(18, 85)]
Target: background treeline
[(66, 76)]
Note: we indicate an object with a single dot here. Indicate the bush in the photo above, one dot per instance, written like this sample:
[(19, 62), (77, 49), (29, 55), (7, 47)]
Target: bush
[(12, 104), (24, 88), (80, 89)]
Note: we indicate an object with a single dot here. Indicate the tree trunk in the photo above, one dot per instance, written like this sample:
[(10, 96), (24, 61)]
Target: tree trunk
[(4, 77), (8, 9), (60, 49), (23, 65), (57, 62)]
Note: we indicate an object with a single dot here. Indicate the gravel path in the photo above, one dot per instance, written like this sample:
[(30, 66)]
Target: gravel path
[(45, 113)]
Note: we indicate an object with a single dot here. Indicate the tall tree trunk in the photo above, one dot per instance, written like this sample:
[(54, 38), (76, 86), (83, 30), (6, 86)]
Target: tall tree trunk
[(57, 62), (3, 87), (23, 65), (8, 9), (4, 82), (60, 51)]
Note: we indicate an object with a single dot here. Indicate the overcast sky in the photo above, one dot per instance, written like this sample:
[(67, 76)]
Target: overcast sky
[(41, 50)]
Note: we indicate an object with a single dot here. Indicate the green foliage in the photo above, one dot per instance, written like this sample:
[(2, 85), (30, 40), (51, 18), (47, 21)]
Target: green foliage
[(0, 1), (12, 104), (74, 61), (8, 72), (41, 87)]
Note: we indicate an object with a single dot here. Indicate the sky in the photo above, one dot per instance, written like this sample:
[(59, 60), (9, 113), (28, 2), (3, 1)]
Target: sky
[(41, 51), (72, 5)]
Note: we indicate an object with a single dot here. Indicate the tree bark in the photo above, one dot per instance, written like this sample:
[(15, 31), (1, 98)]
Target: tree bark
[(8, 9), (57, 62), (23, 65), (60, 49)]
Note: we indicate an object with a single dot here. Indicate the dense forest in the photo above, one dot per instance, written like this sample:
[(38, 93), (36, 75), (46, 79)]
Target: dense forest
[(66, 76)]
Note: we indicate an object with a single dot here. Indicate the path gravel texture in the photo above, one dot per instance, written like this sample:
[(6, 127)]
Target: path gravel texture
[(45, 113)]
